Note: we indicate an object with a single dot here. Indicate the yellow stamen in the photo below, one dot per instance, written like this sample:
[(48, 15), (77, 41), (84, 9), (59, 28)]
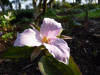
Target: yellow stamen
[(45, 39)]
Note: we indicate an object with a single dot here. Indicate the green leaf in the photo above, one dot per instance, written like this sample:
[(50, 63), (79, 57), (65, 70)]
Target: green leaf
[(35, 53), (50, 66), (7, 35), (17, 52)]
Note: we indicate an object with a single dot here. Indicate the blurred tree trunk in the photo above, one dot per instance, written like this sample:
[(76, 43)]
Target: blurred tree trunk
[(73, 1), (34, 3), (5, 3), (44, 6), (51, 3), (89, 1), (78, 1), (11, 7), (35, 9), (2, 6), (40, 4), (16, 4), (86, 18), (19, 5), (63, 1), (98, 1)]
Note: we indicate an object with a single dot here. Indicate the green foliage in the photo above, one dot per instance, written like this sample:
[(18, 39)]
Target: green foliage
[(23, 16), (50, 66), (9, 16), (66, 5), (57, 4), (24, 20), (77, 10), (2, 21), (51, 13), (5, 19), (36, 53), (20, 14), (17, 52), (94, 13), (62, 17), (5, 2), (89, 6), (7, 36)]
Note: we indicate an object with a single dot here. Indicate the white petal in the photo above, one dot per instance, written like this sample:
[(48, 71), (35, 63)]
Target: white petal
[(59, 49), (30, 37), (50, 28)]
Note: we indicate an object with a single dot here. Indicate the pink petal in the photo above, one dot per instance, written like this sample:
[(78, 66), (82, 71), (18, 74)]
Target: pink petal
[(50, 28), (59, 49), (30, 37)]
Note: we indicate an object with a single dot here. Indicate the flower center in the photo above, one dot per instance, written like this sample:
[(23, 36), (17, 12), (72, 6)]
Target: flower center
[(45, 40)]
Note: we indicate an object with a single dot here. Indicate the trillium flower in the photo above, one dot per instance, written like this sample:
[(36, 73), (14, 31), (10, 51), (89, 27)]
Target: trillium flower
[(47, 36)]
